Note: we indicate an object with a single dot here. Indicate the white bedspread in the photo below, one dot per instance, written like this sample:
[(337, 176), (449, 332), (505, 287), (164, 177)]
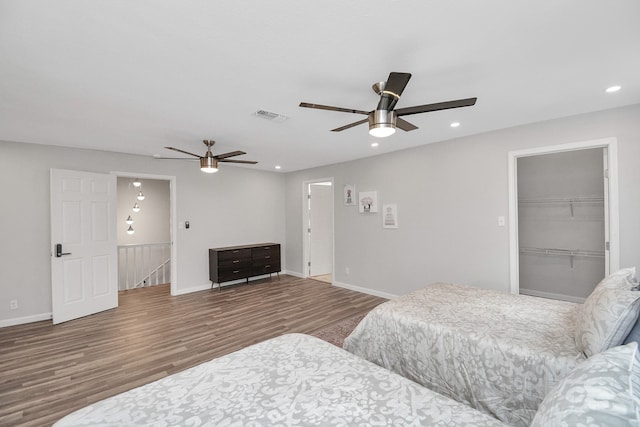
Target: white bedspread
[(290, 380), (497, 352)]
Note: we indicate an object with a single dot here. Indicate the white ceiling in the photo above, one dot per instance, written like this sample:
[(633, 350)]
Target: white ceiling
[(134, 76)]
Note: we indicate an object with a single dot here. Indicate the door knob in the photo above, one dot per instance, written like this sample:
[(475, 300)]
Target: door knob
[(59, 252)]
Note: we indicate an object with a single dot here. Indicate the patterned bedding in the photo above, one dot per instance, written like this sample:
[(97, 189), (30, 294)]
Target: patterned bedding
[(294, 379), (497, 352)]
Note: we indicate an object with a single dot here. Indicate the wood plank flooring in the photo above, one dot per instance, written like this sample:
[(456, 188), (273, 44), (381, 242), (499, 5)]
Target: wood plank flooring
[(48, 371)]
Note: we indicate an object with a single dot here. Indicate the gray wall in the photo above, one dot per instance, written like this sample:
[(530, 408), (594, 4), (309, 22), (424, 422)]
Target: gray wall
[(152, 223), (449, 196), (234, 206)]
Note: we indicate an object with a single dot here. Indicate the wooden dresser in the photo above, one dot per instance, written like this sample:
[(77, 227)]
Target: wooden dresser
[(243, 262)]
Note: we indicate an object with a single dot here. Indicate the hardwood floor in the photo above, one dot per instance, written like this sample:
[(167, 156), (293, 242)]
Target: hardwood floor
[(48, 371)]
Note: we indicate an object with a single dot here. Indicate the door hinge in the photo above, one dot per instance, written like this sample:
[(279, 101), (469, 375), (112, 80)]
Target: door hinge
[(606, 173), (309, 264), (308, 230), (606, 246), (308, 196)]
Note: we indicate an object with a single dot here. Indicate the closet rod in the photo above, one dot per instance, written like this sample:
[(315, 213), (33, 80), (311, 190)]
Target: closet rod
[(563, 252), (552, 200)]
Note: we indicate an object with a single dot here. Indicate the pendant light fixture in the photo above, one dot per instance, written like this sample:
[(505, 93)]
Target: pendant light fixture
[(136, 208), (137, 183), (129, 220), (130, 230), (140, 195)]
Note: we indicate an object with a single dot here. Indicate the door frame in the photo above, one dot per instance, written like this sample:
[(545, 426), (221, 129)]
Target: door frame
[(305, 226), (173, 222), (611, 144)]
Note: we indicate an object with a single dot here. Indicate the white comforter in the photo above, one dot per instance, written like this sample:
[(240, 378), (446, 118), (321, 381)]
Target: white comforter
[(497, 352), (290, 380)]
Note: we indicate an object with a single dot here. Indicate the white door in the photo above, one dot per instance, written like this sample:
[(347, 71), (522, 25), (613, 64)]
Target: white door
[(320, 229), (84, 246)]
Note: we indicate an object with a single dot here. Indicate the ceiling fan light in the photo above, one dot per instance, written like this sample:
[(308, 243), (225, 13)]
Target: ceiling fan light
[(208, 164), (382, 123)]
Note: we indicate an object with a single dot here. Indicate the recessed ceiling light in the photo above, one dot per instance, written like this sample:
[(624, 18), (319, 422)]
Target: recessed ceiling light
[(612, 89), (277, 166), (374, 144), (455, 124)]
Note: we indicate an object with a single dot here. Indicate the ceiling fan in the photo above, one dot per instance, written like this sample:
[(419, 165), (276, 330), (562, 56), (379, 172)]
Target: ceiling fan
[(384, 119), (209, 162)]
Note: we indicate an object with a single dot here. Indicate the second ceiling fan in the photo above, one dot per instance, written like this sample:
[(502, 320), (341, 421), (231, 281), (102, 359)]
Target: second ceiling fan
[(385, 118), (209, 162)]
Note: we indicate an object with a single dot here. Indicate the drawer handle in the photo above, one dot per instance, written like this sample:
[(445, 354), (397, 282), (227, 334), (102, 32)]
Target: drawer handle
[(267, 257), (235, 252), (236, 271), (267, 266), (267, 248), (236, 261)]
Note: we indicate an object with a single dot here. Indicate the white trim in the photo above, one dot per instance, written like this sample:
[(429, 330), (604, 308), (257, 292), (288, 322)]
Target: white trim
[(614, 228), (305, 225), (172, 219), (293, 273), (365, 290), (27, 319)]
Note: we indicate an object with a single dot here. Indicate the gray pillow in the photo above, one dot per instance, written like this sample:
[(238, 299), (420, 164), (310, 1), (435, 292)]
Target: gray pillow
[(608, 314), (604, 390)]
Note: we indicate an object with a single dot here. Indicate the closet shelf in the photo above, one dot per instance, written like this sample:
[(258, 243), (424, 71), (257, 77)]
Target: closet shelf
[(563, 252), (562, 200)]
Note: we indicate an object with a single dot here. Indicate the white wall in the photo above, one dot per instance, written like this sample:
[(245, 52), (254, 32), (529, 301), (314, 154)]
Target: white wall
[(234, 206), (449, 196)]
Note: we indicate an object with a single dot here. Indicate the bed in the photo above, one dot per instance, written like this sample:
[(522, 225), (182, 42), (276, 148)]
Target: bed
[(293, 379), (496, 352)]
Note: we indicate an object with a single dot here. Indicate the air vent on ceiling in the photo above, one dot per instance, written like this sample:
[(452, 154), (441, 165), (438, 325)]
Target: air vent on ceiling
[(274, 117)]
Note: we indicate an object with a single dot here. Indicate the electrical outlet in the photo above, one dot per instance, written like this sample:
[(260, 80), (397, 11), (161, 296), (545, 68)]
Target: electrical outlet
[(13, 304)]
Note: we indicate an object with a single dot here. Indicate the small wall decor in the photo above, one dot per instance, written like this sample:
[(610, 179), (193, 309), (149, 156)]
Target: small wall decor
[(390, 216), (368, 201), (350, 194)]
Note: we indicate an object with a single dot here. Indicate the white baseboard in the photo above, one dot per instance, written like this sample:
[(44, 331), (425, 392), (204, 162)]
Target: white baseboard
[(551, 295), (365, 290), (26, 319), (294, 274)]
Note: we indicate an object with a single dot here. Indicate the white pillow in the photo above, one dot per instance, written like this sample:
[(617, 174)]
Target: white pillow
[(604, 390), (608, 314)]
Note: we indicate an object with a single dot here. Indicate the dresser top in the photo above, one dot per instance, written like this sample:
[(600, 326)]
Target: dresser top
[(233, 248)]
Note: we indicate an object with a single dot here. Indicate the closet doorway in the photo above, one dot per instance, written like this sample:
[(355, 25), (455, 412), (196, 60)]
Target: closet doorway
[(561, 203), (319, 230)]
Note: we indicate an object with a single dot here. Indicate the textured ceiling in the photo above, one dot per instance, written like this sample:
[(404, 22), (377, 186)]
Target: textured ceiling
[(135, 76)]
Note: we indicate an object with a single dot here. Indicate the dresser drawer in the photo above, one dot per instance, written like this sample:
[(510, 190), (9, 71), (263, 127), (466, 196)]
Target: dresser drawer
[(235, 254), (266, 268), (224, 275)]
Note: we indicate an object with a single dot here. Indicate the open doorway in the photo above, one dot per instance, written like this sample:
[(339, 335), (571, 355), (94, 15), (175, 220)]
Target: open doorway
[(318, 220), (146, 226), (564, 222)]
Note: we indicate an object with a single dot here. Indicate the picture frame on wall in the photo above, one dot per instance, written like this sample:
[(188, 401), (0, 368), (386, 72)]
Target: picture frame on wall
[(349, 195), (368, 201), (390, 216)]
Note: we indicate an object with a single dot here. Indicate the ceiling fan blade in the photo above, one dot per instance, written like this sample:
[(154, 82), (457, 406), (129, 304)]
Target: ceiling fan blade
[(330, 108), (359, 122), (173, 158), (397, 82), (393, 88), (182, 151), (231, 154), (436, 107), (405, 125), (249, 162)]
